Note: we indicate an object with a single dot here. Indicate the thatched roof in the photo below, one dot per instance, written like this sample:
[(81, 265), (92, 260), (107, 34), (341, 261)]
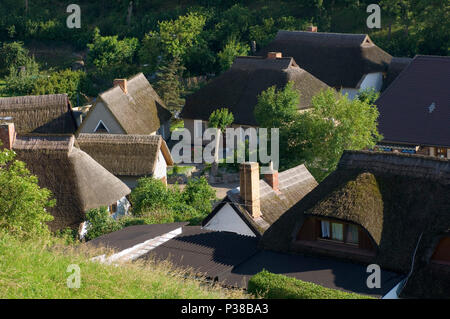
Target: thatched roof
[(415, 109), (338, 59), (396, 67), (394, 197), (125, 155), (78, 183), (294, 184), (46, 114), (238, 88), (140, 111)]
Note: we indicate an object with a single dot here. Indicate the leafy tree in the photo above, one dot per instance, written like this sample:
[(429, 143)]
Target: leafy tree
[(23, 203), (169, 85), (231, 50), (369, 95), (13, 55), (318, 136), (199, 194), (219, 119)]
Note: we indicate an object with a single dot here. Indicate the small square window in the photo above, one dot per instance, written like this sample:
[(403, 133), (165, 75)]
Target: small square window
[(337, 231)]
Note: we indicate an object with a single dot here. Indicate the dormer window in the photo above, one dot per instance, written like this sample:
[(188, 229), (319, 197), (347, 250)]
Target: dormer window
[(340, 232)]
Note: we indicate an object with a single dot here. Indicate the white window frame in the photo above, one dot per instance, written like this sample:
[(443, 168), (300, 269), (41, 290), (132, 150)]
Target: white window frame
[(101, 122)]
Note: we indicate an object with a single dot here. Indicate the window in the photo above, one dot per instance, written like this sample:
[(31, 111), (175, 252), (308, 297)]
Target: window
[(441, 152), (101, 128), (341, 232)]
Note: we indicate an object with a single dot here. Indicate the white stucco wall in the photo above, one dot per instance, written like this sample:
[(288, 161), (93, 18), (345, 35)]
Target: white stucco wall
[(123, 205), (370, 80), (161, 167), (227, 219)]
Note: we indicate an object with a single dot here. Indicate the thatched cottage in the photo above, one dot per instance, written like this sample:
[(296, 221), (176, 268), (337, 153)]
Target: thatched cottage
[(415, 109), (346, 62), (43, 114), (131, 107), (129, 157), (257, 204), (377, 208), (238, 88), (77, 182)]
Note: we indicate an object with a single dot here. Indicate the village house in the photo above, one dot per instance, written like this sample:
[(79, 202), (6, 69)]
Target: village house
[(77, 182), (42, 114), (346, 62), (415, 109), (129, 157), (377, 208), (131, 107), (257, 204), (238, 88)]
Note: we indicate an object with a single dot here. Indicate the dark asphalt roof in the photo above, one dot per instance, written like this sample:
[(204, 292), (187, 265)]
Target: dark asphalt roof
[(232, 259), (133, 235), (209, 253), (416, 106)]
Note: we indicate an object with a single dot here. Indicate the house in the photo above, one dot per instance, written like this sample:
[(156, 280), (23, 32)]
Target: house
[(43, 114), (346, 62), (131, 107), (257, 204), (415, 109), (231, 259), (238, 88), (377, 208), (77, 182), (129, 157)]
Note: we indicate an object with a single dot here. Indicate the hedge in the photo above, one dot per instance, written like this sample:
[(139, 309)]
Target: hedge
[(272, 286)]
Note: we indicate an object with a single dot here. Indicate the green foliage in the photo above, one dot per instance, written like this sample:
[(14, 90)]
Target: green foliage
[(368, 95), (169, 84), (319, 136), (65, 81), (273, 286), (231, 50), (23, 203), (12, 56), (156, 203), (99, 222), (221, 119)]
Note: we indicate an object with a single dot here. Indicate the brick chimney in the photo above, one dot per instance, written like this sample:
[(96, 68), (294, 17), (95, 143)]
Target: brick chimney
[(311, 28), (274, 55), (7, 135), (249, 186), (272, 178), (122, 83)]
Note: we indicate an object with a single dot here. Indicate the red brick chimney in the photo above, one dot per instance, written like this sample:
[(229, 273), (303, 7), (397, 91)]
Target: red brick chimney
[(249, 187), (7, 135), (311, 28), (272, 179), (122, 83), (274, 55)]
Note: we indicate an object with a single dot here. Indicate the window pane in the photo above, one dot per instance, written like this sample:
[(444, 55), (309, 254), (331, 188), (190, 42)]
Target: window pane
[(352, 234), (325, 226), (337, 231)]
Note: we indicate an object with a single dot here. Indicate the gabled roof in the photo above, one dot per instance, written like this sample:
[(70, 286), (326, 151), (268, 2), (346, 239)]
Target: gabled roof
[(294, 184), (394, 197), (140, 111), (415, 108), (45, 114), (77, 182), (126, 155), (238, 88), (338, 59)]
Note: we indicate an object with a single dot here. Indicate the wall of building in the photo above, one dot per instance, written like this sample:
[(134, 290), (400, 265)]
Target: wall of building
[(227, 219), (99, 112), (161, 167), (370, 80)]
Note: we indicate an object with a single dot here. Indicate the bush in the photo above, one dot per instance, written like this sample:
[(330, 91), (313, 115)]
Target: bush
[(99, 223), (273, 286)]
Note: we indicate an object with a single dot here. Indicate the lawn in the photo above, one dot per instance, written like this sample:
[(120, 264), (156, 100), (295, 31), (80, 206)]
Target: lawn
[(32, 269)]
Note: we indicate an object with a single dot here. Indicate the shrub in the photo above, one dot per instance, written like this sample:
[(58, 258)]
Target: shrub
[(99, 223), (273, 286)]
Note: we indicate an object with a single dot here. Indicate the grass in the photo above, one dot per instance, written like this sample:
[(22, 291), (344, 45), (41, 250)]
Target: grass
[(181, 169), (33, 269)]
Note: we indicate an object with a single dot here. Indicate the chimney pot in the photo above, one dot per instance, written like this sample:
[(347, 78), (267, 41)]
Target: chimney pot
[(312, 28), (122, 83), (7, 135), (249, 187), (274, 55)]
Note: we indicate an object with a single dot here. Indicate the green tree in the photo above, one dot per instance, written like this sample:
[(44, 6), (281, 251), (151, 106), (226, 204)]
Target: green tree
[(23, 203), (369, 95), (219, 119), (99, 222), (231, 50), (169, 83), (199, 194), (13, 55)]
